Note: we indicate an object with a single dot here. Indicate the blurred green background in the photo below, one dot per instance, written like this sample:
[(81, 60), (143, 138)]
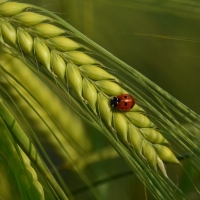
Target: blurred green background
[(158, 38)]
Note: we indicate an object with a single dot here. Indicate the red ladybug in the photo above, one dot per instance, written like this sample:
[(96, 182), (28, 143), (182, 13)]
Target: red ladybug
[(123, 102)]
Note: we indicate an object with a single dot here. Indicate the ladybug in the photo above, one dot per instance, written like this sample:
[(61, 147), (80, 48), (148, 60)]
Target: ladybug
[(123, 102)]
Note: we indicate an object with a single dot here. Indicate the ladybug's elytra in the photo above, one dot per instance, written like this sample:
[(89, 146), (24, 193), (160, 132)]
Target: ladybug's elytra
[(123, 102)]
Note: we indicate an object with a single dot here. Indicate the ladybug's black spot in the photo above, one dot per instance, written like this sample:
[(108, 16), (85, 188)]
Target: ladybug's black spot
[(131, 106), (122, 108), (125, 96), (125, 104)]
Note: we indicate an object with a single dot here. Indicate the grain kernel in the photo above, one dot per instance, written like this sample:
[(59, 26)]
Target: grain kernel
[(42, 52), (110, 88), (74, 78), (139, 120), (135, 138), (90, 93), (120, 125), (165, 154), (8, 32), (150, 154), (58, 65), (80, 58), (95, 73), (104, 108), (47, 30), (25, 40), (63, 43), (12, 8), (30, 18), (153, 136)]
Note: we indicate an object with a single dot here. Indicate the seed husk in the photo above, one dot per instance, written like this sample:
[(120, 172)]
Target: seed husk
[(29, 173), (110, 88), (47, 30), (74, 78), (80, 58), (58, 65), (12, 8), (104, 108), (42, 53), (63, 43), (25, 40), (165, 153), (95, 73), (37, 189), (161, 166), (135, 138), (120, 124), (150, 154), (137, 108), (139, 120), (30, 18), (8, 32), (153, 136), (90, 93)]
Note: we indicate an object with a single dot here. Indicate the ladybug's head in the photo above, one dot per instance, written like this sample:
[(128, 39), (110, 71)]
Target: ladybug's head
[(114, 101)]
